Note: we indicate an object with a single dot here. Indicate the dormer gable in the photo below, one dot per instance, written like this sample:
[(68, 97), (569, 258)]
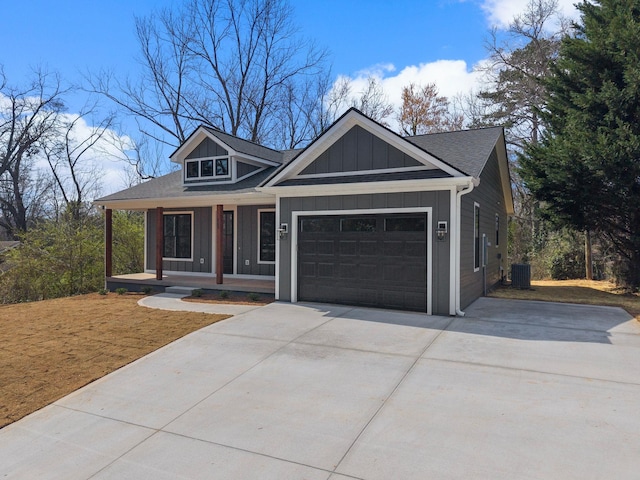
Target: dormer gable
[(211, 157)]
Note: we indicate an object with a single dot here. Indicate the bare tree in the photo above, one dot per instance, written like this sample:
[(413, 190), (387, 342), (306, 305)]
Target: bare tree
[(28, 118), (74, 179), (232, 64), (424, 111), (373, 102)]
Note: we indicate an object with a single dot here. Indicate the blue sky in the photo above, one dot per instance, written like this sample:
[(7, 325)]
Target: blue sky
[(400, 41), (72, 36)]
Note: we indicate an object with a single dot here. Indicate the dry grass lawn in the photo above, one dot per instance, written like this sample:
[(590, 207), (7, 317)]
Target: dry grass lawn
[(575, 291), (49, 349)]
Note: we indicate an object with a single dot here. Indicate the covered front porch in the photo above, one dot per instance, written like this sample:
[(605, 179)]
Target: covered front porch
[(137, 281)]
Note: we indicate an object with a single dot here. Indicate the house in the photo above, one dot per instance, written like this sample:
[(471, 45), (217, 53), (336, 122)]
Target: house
[(361, 216)]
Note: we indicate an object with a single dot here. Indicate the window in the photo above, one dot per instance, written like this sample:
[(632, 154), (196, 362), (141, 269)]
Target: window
[(405, 224), (365, 224), (476, 237), (319, 225), (177, 235), (209, 168), (267, 236), (206, 168), (222, 167), (192, 170), (497, 229)]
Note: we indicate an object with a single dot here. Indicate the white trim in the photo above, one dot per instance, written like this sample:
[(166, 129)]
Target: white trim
[(185, 212), (204, 200), (186, 180), (454, 251), (252, 172), (293, 229), (340, 128), (391, 186), (458, 243), (366, 172), (196, 138), (260, 210), (476, 269)]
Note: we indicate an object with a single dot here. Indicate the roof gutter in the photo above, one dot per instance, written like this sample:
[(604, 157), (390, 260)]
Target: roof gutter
[(458, 199)]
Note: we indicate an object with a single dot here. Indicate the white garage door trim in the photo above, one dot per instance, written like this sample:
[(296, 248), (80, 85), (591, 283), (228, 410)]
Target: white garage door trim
[(386, 211)]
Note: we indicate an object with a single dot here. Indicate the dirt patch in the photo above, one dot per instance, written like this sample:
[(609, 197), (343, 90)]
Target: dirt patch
[(232, 298), (588, 292), (51, 348)]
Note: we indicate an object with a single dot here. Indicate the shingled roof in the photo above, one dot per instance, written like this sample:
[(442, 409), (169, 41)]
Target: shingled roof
[(244, 146), (465, 150), (171, 186)]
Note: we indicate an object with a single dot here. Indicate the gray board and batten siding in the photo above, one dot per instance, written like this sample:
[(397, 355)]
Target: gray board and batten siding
[(490, 198), (247, 239), (202, 241), (439, 202), (359, 150), (206, 149), (246, 221)]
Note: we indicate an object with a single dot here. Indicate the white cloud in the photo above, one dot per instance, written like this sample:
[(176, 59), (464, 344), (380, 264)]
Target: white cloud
[(502, 12), (451, 77)]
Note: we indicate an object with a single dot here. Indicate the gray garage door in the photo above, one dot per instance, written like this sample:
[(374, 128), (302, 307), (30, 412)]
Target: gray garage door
[(369, 260)]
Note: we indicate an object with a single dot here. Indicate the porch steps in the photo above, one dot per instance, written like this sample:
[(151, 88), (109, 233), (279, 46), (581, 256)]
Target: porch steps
[(180, 290)]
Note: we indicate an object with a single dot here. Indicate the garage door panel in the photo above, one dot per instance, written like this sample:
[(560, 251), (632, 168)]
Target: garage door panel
[(308, 269), (368, 248), (326, 270), (325, 247), (348, 248), (358, 262)]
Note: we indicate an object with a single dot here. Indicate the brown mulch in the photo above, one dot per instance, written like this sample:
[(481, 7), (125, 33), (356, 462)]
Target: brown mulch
[(232, 298), (51, 348)]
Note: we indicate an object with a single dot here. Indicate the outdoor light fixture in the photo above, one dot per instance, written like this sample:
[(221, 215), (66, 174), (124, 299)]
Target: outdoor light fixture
[(441, 231), (283, 230)]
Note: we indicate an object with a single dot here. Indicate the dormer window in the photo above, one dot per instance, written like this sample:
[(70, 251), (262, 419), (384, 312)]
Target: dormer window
[(217, 167)]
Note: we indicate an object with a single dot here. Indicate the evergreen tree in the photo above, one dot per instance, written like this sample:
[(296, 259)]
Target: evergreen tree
[(586, 169)]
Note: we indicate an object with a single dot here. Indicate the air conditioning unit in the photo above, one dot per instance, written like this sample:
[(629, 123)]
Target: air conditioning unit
[(521, 275)]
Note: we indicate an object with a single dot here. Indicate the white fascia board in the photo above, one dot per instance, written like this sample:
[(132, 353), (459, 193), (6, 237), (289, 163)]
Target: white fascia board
[(366, 187), (505, 178), (197, 137), (350, 120), (197, 201)]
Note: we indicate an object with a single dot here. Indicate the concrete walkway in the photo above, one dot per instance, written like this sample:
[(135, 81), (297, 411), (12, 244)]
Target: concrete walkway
[(515, 390), (173, 301)]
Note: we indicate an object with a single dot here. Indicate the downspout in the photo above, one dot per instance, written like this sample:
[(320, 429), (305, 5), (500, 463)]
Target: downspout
[(468, 189)]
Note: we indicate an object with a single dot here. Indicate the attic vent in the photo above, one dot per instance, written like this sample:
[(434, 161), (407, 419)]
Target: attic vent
[(521, 275)]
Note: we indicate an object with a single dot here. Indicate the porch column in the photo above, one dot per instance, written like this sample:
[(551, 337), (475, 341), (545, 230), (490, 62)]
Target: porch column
[(108, 242), (219, 227), (159, 241)]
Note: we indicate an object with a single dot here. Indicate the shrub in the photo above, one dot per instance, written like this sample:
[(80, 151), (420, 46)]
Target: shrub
[(147, 290), (197, 293), (103, 291), (254, 297), (224, 294), (121, 291)]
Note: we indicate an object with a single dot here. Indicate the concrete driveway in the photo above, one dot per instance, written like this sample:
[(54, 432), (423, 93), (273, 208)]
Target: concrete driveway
[(515, 390)]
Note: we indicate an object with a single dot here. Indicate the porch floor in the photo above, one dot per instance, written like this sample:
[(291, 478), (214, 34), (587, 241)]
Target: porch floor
[(206, 283)]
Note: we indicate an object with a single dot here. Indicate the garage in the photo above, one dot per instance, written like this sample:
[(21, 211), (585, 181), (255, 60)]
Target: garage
[(377, 260)]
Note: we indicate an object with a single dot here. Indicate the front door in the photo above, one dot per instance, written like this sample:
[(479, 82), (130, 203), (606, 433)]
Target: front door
[(227, 242)]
